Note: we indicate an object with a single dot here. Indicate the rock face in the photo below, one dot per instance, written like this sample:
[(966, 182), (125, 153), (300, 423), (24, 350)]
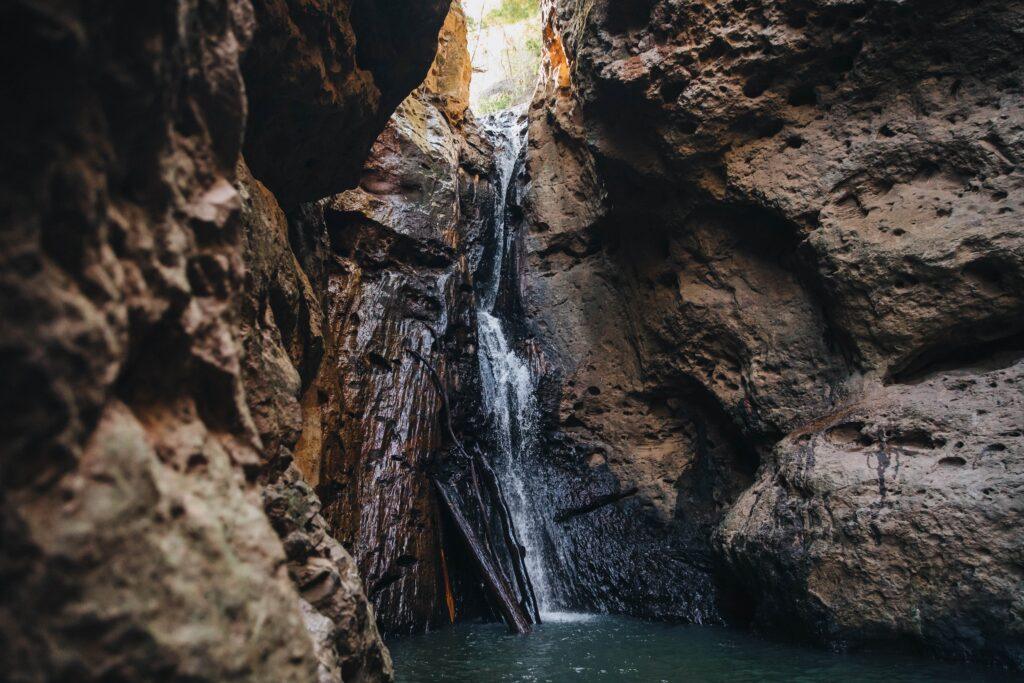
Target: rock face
[(282, 339), (898, 517), (397, 276), (788, 233), (154, 345), (323, 76), (134, 544), (768, 265)]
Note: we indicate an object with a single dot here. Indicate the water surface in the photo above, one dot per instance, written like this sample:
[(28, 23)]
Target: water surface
[(583, 648)]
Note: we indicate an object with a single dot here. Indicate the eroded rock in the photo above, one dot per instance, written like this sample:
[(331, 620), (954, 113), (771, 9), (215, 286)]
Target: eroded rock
[(134, 546), (395, 266), (897, 518), (748, 217), (322, 77), (138, 432)]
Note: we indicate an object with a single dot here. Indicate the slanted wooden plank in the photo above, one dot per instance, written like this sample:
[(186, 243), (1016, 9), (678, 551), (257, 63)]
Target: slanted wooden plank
[(513, 614)]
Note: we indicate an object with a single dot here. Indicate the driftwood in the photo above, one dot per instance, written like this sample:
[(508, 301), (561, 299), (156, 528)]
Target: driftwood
[(514, 614), (497, 586), (597, 503), (446, 416), (513, 543)]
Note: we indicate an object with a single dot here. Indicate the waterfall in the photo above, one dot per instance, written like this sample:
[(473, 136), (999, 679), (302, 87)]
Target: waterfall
[(509, 387)]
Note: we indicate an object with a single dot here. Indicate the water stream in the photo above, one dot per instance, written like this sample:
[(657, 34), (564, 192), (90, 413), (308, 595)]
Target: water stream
[(509, 387)]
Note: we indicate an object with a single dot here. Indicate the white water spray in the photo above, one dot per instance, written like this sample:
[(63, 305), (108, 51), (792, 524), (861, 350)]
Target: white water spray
[(509, 388)]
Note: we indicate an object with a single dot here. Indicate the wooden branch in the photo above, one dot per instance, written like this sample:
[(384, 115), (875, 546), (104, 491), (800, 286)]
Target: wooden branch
[(595, 504), (514, 614), (515, 617), (512, 541)]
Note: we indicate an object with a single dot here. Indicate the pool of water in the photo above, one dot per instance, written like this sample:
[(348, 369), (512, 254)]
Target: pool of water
[(605, 648)]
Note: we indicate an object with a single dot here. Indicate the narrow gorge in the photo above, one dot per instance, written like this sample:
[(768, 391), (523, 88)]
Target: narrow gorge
[(652, 340)]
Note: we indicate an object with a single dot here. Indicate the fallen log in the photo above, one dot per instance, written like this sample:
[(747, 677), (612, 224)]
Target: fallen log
[(513, 543), (513, 613), (597, 503), (515, 618)]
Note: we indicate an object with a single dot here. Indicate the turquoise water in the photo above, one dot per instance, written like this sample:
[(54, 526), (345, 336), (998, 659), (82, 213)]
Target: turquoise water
[(584, 648)]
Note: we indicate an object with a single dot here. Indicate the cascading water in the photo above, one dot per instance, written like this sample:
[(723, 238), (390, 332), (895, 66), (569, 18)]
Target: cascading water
[(509, 386)]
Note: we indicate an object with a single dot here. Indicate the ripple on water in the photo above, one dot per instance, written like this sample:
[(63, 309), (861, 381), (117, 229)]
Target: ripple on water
[(566, 617), (586, 647)]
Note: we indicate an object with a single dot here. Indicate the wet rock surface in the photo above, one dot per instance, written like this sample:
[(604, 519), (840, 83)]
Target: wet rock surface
[(765, 266), (395, 262), (282, 339), (746, 218)]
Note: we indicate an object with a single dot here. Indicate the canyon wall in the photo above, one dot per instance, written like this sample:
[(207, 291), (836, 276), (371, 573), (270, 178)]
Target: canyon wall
[(767, 265), (774, 254), (395, 265), (159, 331)]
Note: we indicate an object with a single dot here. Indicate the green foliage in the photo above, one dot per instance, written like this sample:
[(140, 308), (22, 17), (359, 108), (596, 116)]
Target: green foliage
[(497, 102), (511, 12), (509, 35)]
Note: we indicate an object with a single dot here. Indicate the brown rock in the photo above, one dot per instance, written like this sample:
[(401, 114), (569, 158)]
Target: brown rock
[(370, 417), (748, 217), (898, 517), (393, 263), (134, 545), (322, 77), (283, 340)]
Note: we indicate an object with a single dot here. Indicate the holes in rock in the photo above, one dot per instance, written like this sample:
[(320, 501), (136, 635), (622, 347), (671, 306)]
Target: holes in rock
[(670, 90), (195, 462), (593, 391), (953, 461), (757, 84), (917, 438), (995, 448), (758, 126), (794, 142), (848, 434), (572, 421), (994, 354), (803, 95), (886, 131), (986, 274)]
